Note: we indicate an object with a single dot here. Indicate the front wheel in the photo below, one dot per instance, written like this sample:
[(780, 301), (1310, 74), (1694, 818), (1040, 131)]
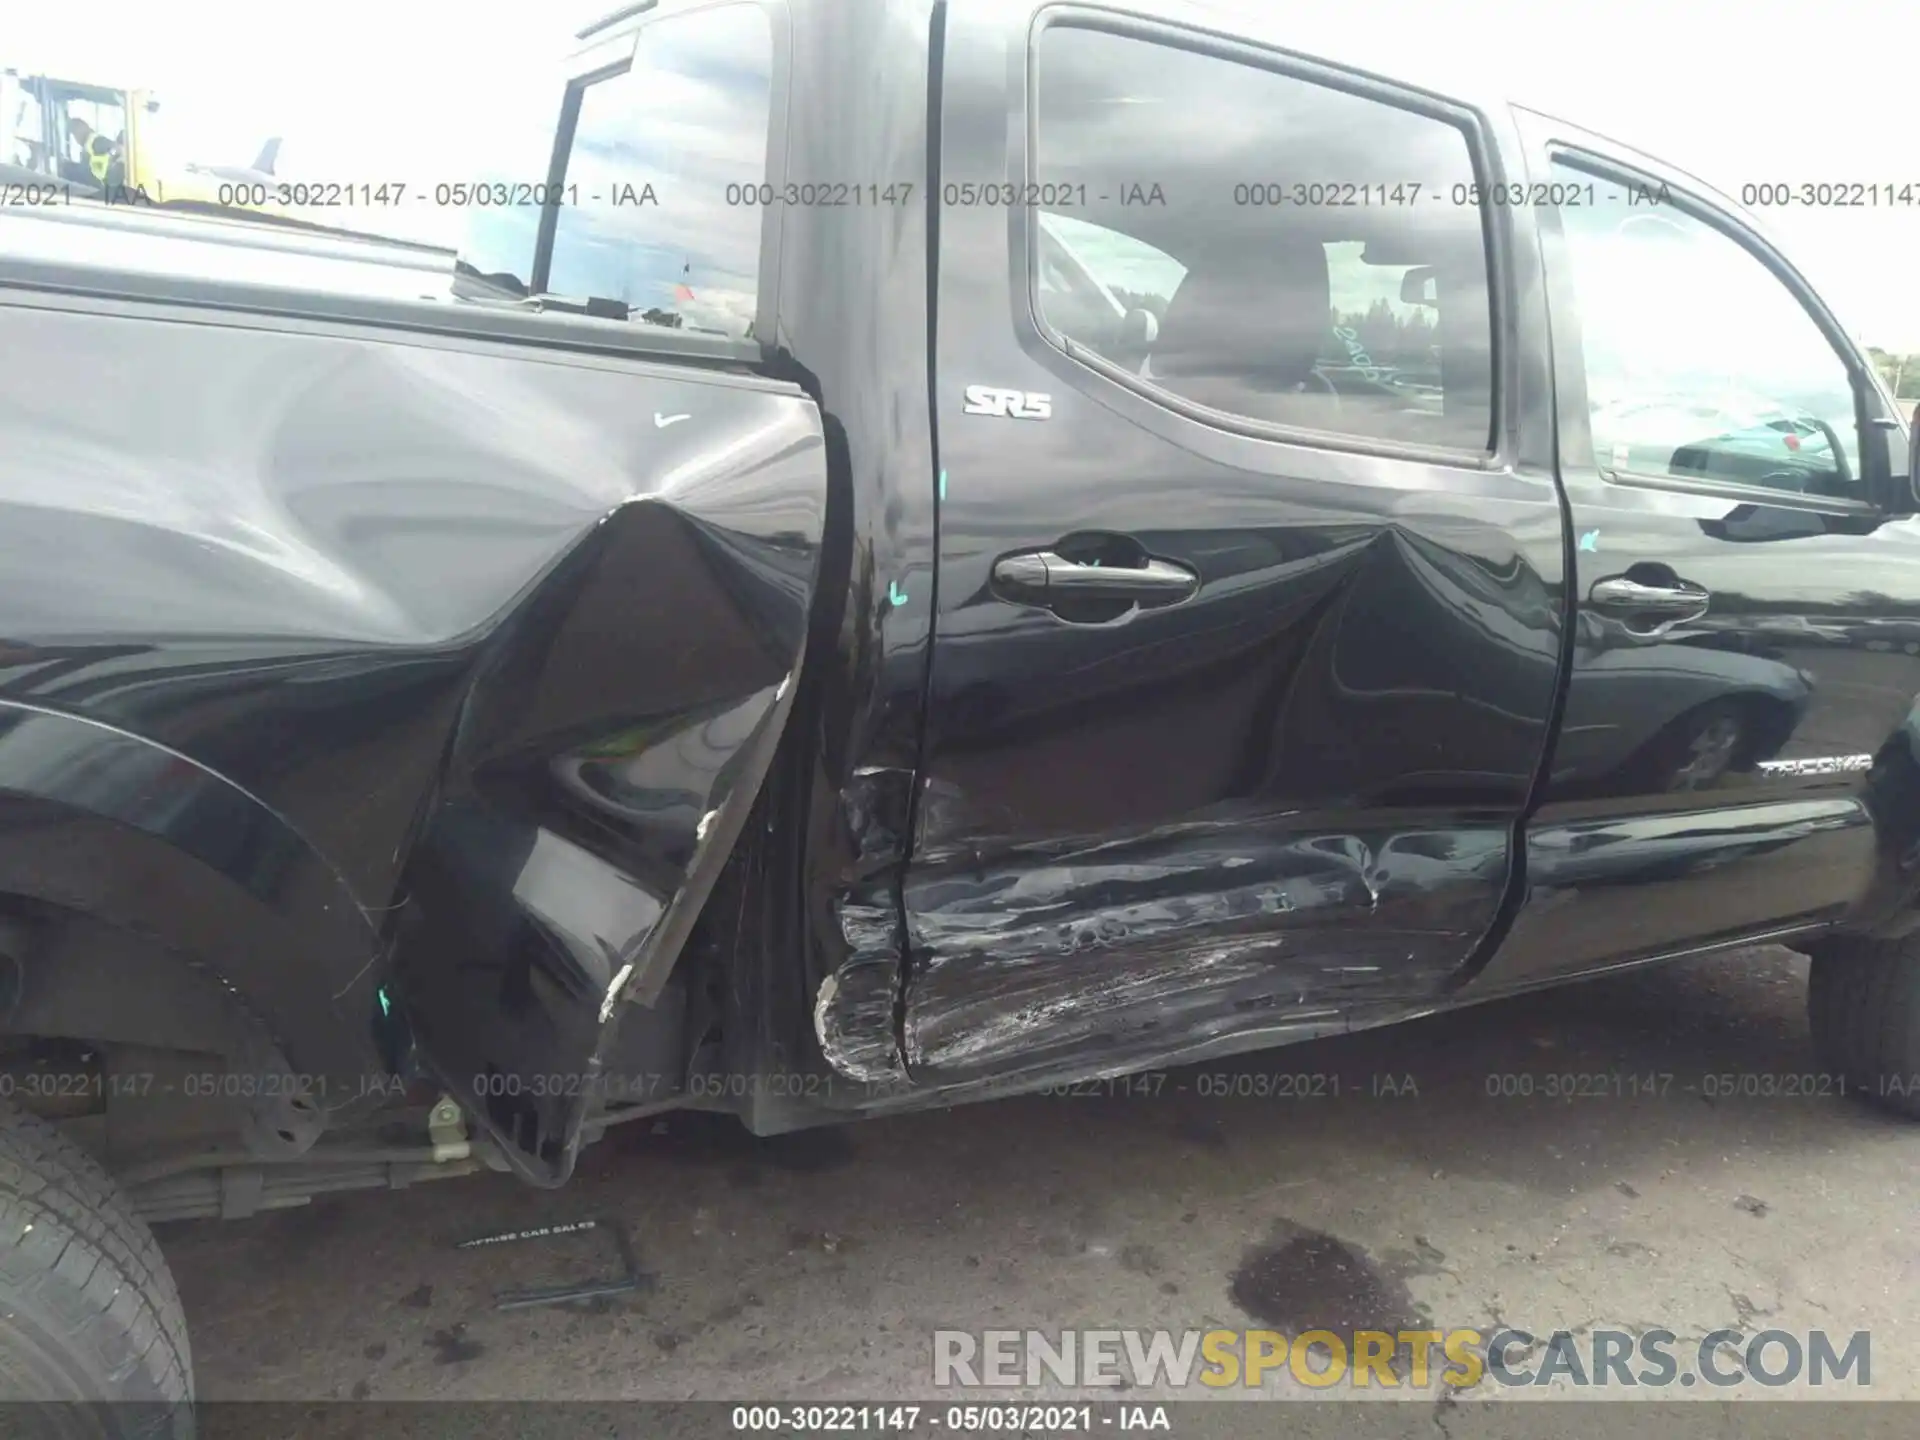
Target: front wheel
[(1863, 1002), (89, 1317)]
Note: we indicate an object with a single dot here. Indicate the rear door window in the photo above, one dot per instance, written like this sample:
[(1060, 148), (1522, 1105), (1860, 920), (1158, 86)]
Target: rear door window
[(1318, 262)]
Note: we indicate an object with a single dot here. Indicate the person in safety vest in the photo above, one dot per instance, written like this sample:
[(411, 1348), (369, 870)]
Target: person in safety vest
[(98, 152)]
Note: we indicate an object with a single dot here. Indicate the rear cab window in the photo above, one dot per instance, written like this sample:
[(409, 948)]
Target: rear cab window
[(517, 197), (639, 219)]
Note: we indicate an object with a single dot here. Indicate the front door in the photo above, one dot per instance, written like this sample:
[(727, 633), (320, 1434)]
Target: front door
[(1249, 590), (1749, 636)]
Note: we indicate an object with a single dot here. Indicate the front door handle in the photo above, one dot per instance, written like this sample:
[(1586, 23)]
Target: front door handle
[(1041, 577), (1660, 605)]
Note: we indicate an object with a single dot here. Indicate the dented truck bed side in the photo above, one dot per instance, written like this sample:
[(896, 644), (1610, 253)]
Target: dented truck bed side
[(494, 664)]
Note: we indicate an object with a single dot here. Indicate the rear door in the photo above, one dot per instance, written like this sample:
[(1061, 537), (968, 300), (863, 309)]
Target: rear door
[(1250, 556), (1750, 629)]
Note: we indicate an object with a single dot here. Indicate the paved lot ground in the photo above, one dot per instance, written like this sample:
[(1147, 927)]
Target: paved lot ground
[(817, 1265)]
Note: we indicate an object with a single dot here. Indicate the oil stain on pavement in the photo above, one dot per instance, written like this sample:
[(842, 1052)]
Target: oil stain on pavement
[(1302, 1279)]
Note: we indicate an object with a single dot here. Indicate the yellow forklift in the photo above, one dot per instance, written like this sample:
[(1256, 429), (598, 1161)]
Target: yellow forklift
[(100, 141), (90, 137)]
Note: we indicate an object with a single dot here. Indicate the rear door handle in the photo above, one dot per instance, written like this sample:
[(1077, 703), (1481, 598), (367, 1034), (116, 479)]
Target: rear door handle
[(1623, 594), (1659, 605), (1041, 577)]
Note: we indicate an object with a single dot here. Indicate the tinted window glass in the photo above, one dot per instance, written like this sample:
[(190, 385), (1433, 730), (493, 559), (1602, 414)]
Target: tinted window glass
[(1092, 282), (1317, 259), (1699, 361), (644, 229)]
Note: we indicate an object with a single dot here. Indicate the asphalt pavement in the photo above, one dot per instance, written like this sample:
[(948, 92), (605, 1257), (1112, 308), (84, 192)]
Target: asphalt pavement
[(1466, 1170)]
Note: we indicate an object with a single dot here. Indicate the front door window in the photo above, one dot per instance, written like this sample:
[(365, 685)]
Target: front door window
[(1700, 362)]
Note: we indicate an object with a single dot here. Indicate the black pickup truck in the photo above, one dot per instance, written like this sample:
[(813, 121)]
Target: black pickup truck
[(939, 549)]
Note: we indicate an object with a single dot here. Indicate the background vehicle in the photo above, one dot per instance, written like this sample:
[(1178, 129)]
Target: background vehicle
[(1725, 440), (786, 658), (39, 145), (37, 140)]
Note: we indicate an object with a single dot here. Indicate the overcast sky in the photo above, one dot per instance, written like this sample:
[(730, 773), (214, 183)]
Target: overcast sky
[(1740, 92)]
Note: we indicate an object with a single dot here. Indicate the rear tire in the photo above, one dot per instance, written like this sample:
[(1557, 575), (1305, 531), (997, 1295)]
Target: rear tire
[(1863, 1002), (88, 1309)]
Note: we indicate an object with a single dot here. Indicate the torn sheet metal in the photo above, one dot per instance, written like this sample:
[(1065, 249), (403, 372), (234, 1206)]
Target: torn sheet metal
[(1112, 954)]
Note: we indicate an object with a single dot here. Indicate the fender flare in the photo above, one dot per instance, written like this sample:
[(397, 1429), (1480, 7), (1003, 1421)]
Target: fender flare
[(103, 823)]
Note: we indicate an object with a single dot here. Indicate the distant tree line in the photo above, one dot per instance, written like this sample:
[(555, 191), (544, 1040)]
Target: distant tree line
[(1141, 300), (1387, 337), (1901, 372)]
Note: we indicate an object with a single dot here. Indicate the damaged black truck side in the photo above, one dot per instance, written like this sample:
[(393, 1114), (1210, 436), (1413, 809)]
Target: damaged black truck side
[(1065, 540)]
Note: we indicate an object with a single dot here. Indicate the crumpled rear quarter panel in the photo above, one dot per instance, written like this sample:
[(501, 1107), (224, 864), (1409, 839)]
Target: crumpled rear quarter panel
[(506, 650)]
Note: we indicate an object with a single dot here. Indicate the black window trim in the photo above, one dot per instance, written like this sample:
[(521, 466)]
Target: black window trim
[(1483, 155), (560, 158), (1599, 165), (624, 45)]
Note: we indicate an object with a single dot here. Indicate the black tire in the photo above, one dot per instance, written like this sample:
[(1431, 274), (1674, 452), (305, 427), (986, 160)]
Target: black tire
[(89, 1316), (1863, 1002)]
